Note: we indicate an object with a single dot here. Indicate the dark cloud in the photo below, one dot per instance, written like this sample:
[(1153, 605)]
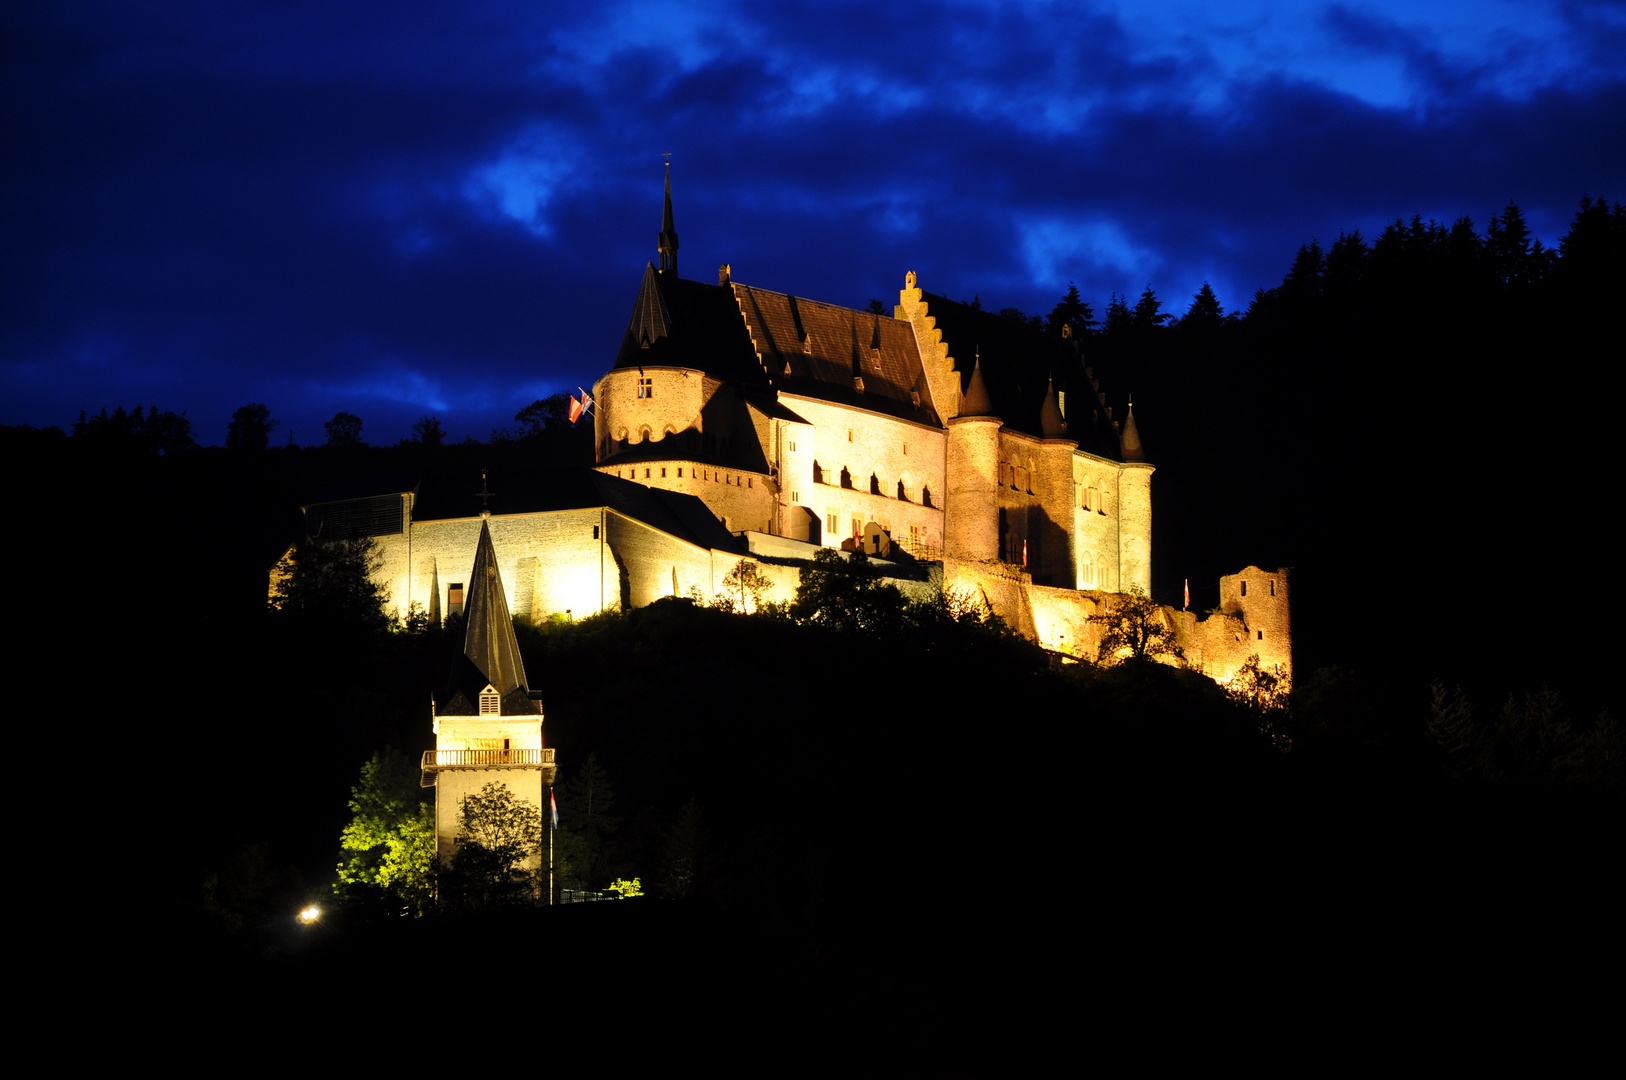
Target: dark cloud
[(408, 209)]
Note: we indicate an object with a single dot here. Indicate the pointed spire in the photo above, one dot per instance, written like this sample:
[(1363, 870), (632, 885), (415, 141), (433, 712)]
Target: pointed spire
[(650, 319), (976, 401), (1129, 437), (488, 637), (668, 238), (1051, 423)]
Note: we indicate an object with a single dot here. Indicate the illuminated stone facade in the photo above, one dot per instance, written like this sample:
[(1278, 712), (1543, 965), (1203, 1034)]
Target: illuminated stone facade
[(739, 423)]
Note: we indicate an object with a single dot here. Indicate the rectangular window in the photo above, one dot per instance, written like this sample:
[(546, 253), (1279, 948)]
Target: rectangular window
[(795, 496), (832, 524), (849, 434), (454, 599), (680, 472), (663, 472), (646, 388), (750, 481), (1273, 588), (595, 532), (793, 446), (1261, 635), (858, 526), (646, 474), (1244, 588)]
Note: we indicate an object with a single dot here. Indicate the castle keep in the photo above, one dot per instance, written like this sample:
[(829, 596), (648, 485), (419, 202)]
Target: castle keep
[(962, 449)]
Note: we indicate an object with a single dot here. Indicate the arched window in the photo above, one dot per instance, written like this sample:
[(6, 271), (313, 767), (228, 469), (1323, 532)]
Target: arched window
[(874, 484), (903, 496), (643, 433), (846, 478), (925, 495), (818, 473)]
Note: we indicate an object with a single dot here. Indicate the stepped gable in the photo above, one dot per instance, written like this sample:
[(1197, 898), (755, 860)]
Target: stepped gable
[(837, 354), (678, 323), (1019, 366)]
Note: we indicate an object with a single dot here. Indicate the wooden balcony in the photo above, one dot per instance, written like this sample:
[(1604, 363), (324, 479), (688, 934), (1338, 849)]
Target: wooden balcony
[(436, 760)]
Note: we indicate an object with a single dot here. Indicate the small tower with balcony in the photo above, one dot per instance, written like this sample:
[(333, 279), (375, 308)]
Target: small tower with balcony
[(488, 724)]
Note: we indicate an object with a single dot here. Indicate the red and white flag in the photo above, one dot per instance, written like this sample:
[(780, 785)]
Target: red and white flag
[(1187, 604), (575, 409)]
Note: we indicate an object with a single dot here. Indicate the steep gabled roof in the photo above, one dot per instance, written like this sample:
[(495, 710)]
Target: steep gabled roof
[(837, 354), (490, 649)]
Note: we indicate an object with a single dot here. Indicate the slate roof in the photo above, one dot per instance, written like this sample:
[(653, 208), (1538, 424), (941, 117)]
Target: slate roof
[(683, 516), (490, 649), (677, 323), (1019, 365), (823, 351)]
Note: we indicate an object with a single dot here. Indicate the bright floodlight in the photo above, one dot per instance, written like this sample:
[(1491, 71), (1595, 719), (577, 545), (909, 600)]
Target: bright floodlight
[(310, 914)]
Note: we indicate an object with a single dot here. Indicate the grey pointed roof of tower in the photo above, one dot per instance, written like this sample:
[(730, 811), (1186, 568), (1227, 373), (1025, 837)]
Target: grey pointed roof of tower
[(976, 402), (1130, 438), (668, 239), (490, 649), (1050, 418)]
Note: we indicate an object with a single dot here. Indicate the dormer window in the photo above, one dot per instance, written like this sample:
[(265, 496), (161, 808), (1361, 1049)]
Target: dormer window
[(490, 701)]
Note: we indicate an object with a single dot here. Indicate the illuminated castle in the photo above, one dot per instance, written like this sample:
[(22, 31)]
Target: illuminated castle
[(967, 450)]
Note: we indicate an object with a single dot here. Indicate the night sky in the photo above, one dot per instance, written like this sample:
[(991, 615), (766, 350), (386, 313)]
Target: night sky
[(408, 208)]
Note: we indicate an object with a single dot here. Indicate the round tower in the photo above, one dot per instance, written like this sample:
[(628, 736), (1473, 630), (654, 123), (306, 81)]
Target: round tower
[(971, 513)]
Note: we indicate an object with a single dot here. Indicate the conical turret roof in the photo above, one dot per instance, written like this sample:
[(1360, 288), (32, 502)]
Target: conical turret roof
[(1129, 438), (976, 401), (1050, 418)]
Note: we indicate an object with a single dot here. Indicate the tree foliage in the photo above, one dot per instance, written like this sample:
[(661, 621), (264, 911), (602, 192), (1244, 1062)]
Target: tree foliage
[(140, 431), (1264, 692), (842, 591), (250, 429), (498, 837), (1135, 627), (391, 836), (586, 824), (331, 582), (344, 430), (746, 588)]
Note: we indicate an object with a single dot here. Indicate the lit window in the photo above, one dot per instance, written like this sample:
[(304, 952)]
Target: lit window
[(490, 701), (454, 599), (646, 388)]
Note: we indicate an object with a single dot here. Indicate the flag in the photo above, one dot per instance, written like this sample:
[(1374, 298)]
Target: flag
[(553, 811), (1024, 554), (1187, 604), (575, 409)]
